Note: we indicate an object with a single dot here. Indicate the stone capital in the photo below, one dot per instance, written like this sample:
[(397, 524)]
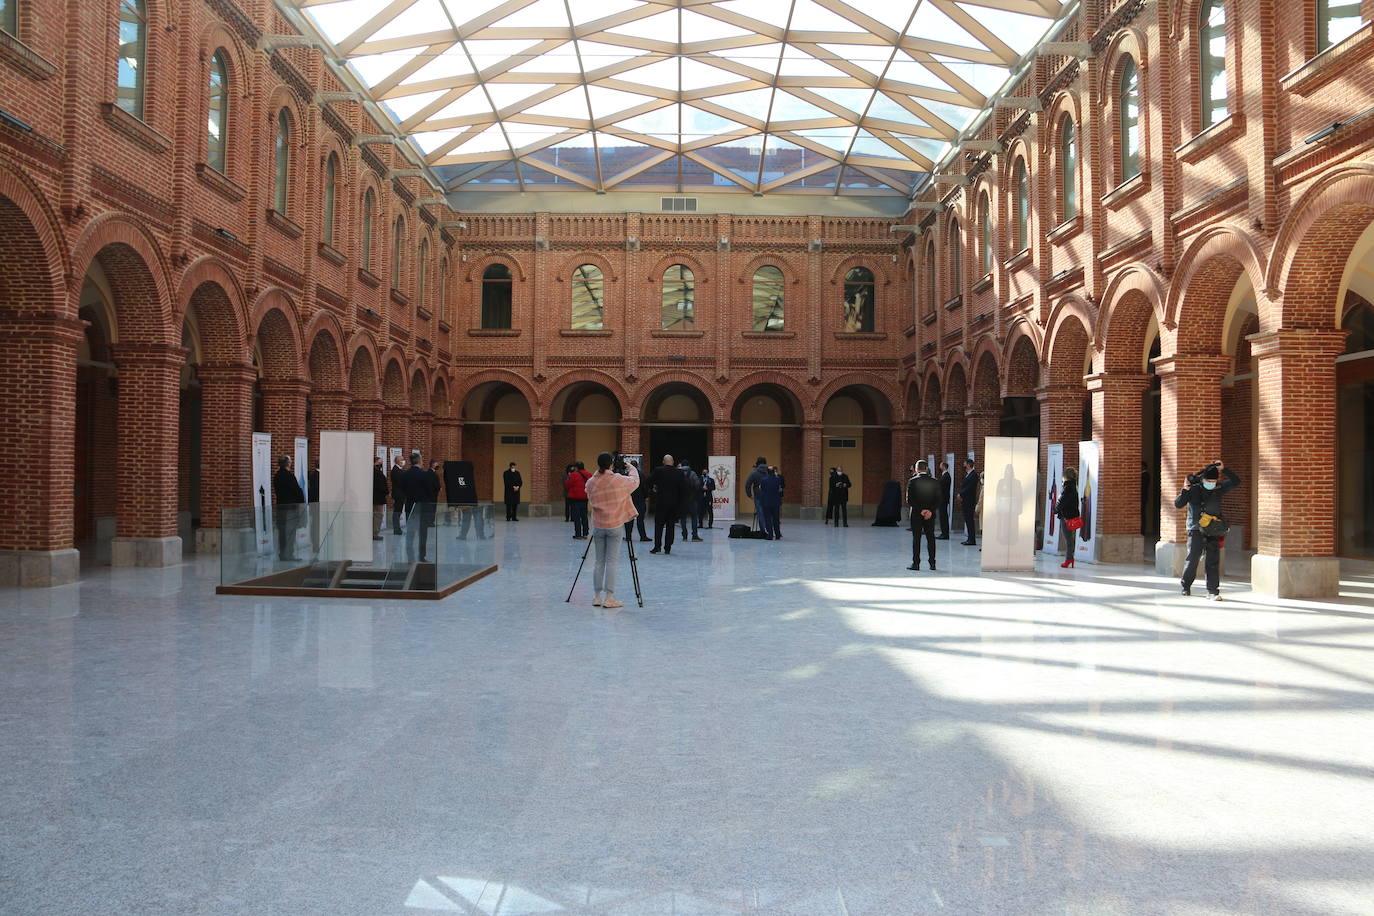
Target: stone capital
[(1059, 392), (1123, 382), (1297, 341), (148, 354), (1202, 366), (284, 386), (226, 372)]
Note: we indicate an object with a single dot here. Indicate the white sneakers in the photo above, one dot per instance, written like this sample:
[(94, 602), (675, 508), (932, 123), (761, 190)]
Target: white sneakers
[(611, 602), (596, 602)]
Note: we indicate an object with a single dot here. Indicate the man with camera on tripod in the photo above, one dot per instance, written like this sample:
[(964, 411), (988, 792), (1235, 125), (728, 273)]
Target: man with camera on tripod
[(609, 496)]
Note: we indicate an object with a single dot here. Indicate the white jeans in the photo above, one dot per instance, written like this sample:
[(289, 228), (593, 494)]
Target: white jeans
[(603, 574)]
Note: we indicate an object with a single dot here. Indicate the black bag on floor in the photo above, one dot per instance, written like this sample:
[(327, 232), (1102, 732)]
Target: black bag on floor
[(739, 531)]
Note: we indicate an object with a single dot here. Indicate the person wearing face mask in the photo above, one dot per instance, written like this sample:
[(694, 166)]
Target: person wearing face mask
[(1067, 510), (1202, 493)]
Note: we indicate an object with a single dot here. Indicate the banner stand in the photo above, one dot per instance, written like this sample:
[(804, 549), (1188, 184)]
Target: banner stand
[(1054, 476), (722, 468)]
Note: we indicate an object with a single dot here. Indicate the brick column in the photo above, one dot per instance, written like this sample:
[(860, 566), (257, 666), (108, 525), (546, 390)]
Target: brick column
[(1116, 429), (421, 429), (38, 375), (146, 463), (954, 436), (443, 439), (396, 429), (366, 417), (541, 439), (226, 445), (905, 449), (629, 436), (813, 482), (283, 413), (981, 422), (328, 411), (1297, 512), (930, 443), (721, 431), (1190, 436)]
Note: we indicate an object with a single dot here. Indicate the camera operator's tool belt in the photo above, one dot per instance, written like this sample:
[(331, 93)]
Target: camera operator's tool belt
[(1213, 525)]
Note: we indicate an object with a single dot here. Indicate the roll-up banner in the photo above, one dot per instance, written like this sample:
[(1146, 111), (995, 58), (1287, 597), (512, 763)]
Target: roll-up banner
[(1054, 476), (1089, 460), (262, 492), (722, 468), (956, 477), (346, 488), (1008, 500)]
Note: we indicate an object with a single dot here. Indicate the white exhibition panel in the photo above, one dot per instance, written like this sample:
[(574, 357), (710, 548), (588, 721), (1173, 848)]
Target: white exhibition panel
[(1010, 492), (956, 474), (1089, 461), (722, 468), (1054, 479), (302, 459), (262, 492), (346, 488)]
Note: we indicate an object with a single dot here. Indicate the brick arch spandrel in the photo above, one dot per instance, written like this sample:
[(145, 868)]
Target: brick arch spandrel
[(395, 393), (956, 387), (987, 380), (33, 240), (592, 376), (932, 395), (326, 361), (879, 384), (753, 379), (790, 274), (709, 392), (419, 391), (514, 379), (362, 368), (439, 401), (1022, 361), (1201, 291)]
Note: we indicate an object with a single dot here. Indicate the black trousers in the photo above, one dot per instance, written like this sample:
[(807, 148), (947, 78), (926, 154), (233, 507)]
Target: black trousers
[(971, 524), (922, 528), (288, 520), (944, 520), (687, 514), (640, 508), (512, 506), (665, 521), (829, 509), (841, 513), (579, 517), (1199, 545), (1070, 537), (395, 518), (708, 510), (471, 515)]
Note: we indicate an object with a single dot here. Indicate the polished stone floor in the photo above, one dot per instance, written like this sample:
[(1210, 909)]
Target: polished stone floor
[(798, 727)]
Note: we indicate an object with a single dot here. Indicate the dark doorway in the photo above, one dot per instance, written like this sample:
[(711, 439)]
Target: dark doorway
[(1021, 417), (691, 443)]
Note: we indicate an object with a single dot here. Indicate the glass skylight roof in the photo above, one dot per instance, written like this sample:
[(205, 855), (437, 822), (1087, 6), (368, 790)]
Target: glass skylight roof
[(796, 96)]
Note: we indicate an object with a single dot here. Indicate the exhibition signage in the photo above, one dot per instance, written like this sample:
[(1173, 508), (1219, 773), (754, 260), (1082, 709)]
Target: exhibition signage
[(346, 489), (1054, 477), (1008, 499), (722, 468), (262, 492), (302, 459), (956, 476), (1089, 497)]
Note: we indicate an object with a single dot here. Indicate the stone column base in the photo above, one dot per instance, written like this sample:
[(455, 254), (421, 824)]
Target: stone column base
[(1295, 577), (1170, 557), (207, 540), (39, 568), (539, 510), (145, 552), (811, 513), (1120, 548)]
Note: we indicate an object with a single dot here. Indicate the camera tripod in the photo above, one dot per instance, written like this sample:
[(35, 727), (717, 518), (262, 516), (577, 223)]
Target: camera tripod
[(634, 570)]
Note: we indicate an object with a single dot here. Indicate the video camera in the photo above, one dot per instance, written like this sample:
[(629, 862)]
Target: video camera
[(618, 464), (1195, 480)]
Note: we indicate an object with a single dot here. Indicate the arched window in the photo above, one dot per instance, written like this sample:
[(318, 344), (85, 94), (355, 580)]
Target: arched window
[(1337, 20), (1021, 184), (281, 197), (956, 260), (441, 309), (369, 204), (985, 230), (1128, 116), (133, 54), (398, 235), (588, 298), (331, 186), (217, 131), (858, 299), (679, 298), (930, 277), (1212, 62), (496, 296), (422, 273), (1068, 169), (768, 299), (9, 16)]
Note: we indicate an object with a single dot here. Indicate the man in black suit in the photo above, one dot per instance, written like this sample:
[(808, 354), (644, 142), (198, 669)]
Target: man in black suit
[(379, 494), (640, 500), (512, 482), (666, 484), (968, 503), (922, 495), (840, 495), (397, 500), (946, 484), (287, 492), (313, 498), (689, 501), (420, 493)]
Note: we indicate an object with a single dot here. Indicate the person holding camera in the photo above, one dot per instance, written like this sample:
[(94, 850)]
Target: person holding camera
[(610, 495), (1202, 493)]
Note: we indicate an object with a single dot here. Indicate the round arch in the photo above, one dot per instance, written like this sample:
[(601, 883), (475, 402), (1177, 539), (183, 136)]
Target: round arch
[(137, 272), (1199, 297)]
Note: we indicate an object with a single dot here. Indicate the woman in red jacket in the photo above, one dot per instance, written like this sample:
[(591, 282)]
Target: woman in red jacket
[(575, 487)]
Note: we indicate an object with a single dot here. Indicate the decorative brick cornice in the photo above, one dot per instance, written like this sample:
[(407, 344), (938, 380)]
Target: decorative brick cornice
[(229, 12), (293, 80), (126, 194)]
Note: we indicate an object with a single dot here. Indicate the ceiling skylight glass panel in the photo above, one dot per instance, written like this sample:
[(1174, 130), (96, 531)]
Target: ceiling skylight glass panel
[(539, 14), (835, 138), (430, 140), (584, 11), (596, 54), (534, 175), (865, 144), (473, 102), (741, 159), (619, 155), (659, 27), (421, 18), (523, 135), (696, 27), (697, 75), (825, 179), (853, 178), (571, 104), (662, 174), (606, 102), (504, 175), (695, 175), (1019, 30), (452, 63), (933, 23), (852, 100), (753, 103), (488, 141), (809, 16), (788, 107), (783, 158), (577, 156), (906, 70), (662, 75), (986, 78), (893, 13), (796, 62), (761, 57), (872, 58), (373, 68), (883, 107), (773, 12), (337, 21), (405, 106), (503, 95), (562, 60), (488, 53), (697, 124)]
